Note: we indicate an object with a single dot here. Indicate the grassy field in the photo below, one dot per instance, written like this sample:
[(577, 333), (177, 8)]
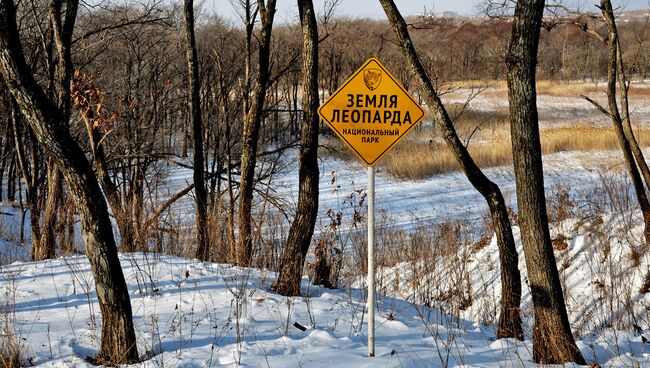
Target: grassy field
[(420, 159), (551, 88), (485, 130)]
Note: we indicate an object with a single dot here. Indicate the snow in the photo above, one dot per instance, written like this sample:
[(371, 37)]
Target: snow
[(193, 321), (556, 111), (10, 248)]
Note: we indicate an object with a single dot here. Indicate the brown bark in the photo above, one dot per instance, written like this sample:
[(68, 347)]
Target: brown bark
[(52, 205), (118, 344), (622, 126), (302, 228), (232, 242), (63, 23), (200, 194), (252, 122), (11, 178), (552, 338), (625, 110), (6, 148), (509, 319), (29, 170)]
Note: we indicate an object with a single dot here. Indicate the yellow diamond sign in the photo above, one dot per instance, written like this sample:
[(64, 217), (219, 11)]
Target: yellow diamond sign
[(371, 112)]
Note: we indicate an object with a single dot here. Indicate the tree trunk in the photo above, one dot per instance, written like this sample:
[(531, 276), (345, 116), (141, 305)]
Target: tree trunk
[(3, 162), (11, 179), (553, 342), (62, 30), (30, 174), (232, 252), (622, 126), (252, 123), (118, 343), (200, 194), (625, 110), (302, 228), (4, 139), (136, 204), (52, 204), (509, 319)]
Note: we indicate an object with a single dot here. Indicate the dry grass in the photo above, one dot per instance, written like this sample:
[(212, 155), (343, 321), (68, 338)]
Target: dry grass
[(645, 288), (551, 88), (10, 351), (419, 159), (471, 84), (467, 120), (567, 89), (423, 154), (585, 139), (544, 87), (576, 89)]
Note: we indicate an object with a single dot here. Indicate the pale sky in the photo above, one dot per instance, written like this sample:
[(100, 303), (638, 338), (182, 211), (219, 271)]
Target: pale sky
[(287, 11)]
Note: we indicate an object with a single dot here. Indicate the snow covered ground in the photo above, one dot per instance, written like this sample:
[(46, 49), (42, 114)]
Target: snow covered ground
[(192, 314), (565, 109)]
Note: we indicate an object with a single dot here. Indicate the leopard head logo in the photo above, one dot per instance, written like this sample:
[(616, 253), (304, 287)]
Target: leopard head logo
[(372, 78)]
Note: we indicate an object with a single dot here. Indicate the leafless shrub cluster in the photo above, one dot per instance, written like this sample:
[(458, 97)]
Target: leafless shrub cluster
[(13, 353)]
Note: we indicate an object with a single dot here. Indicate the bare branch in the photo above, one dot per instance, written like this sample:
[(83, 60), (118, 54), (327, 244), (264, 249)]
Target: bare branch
[(598, 106)]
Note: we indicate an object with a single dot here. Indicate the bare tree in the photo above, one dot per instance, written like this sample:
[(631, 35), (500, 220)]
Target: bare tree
[(509, 319), (62, 22), (302, 228), (29, 157), (118, 344), (200, 193), (552, 338), (634, 159), (252, 121), (227, 70)]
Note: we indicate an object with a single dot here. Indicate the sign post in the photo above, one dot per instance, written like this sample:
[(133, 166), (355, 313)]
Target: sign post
[(371, 261), (371, 112)]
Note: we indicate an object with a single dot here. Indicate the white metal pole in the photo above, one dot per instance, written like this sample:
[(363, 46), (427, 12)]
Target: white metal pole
[(371, 261)]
